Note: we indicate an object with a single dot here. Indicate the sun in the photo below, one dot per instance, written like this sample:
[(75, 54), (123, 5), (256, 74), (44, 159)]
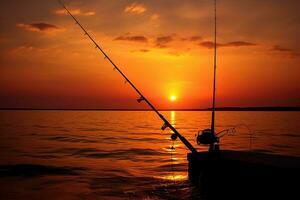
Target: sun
[(173, 98)]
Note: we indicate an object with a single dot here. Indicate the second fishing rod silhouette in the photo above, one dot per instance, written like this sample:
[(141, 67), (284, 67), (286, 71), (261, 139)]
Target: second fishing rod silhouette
[(142, 97)]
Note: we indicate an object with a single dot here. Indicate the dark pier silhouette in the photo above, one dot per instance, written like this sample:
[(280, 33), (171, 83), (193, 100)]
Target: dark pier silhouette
[(244, 175)]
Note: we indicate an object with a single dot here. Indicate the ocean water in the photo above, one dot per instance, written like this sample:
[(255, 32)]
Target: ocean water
[(122, 154)]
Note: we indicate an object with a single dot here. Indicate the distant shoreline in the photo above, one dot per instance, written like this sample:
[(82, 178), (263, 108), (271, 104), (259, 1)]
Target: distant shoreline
[(201, 109)]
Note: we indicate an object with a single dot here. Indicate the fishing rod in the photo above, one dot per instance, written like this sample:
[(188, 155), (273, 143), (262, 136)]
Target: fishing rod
[(142, 97), (215, 70), (209, 136)]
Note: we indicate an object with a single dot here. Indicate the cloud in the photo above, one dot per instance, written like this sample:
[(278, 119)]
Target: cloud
[(193, 38), (75, 12), (31, 50), (239, 44), (39, 27), (24, 49), (135, 8), (162, 42), (210, 44), (289, 52), (141, 51), (135, 38), (281, 49), (144, 50)]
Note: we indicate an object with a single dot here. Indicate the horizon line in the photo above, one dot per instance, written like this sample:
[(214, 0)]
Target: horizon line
[(229, 108)]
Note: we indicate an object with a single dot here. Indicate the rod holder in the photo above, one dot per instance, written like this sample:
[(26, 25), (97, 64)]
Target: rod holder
[(164, 126)]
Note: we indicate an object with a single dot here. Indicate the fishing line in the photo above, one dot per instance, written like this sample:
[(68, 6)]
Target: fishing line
[(232, 131), (251, 134), (172, 148), (172, 164)]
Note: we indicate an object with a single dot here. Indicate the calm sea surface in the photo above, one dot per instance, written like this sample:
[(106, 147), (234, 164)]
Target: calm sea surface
[(122, 155)]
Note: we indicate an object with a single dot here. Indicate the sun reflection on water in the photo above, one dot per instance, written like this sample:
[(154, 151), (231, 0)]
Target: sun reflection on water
[(171, 149), (177, 177), (173, 115)]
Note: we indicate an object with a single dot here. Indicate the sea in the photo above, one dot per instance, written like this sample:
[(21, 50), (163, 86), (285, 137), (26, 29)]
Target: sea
[(123, 154)]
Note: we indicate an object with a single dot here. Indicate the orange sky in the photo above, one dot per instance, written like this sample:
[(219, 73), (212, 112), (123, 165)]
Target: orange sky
[(163, 46)]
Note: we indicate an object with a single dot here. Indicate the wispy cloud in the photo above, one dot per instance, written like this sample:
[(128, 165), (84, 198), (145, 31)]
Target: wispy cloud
[(39, 52), (281, 49), (134, 38), (192, 38), (135, 8), (39, 27), (75, 12), (287, 51), (144, 50), (210, 44), (141, 51), (24, 48), (162, 42), (239, 44), (29, 49)]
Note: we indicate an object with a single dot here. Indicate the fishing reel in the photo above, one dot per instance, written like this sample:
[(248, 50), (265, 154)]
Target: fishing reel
[(207, 137)]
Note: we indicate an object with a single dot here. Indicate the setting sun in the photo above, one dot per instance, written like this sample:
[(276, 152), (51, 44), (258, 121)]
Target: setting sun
[(172, 98)]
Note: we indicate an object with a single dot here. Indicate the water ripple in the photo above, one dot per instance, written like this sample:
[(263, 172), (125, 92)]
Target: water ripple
[(33, 170)]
